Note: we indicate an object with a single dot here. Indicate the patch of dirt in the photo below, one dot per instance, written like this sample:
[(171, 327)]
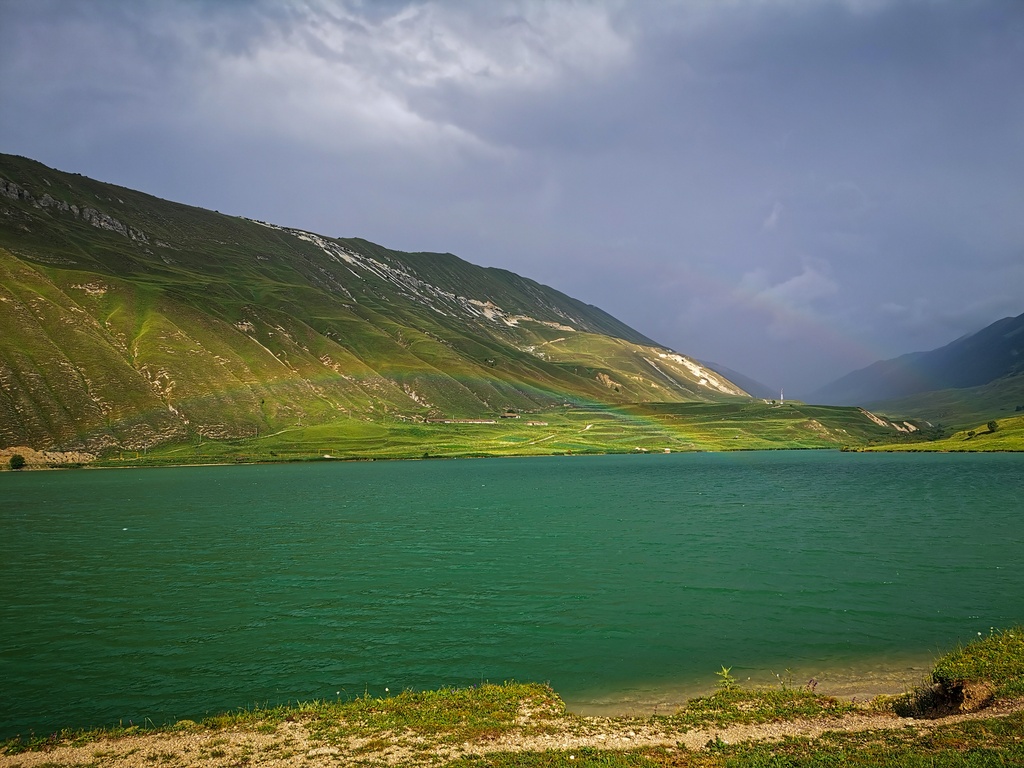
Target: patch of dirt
[(291, 743)]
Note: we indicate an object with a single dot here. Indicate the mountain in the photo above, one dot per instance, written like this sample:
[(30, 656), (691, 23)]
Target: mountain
[(961, 408), (130, 322), (975, 360)]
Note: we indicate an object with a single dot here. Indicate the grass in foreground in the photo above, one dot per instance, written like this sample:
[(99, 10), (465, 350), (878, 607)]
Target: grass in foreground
[(978, 744), (971, 676), (446, 715)]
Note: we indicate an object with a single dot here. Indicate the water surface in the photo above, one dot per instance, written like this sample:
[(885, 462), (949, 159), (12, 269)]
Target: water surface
[(621, 580)]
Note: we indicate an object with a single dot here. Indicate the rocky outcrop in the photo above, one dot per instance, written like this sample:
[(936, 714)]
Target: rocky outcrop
[(34, 458), (98, 219)]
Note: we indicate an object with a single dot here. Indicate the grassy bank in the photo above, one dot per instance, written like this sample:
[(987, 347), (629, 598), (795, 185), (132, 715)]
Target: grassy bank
[(1008, 435), (971, 713)]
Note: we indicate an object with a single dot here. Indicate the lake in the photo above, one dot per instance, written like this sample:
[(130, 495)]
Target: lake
[(624, 581)]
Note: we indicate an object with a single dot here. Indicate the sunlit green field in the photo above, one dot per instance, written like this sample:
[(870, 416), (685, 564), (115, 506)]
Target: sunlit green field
[(644, 428), (1008, 436)]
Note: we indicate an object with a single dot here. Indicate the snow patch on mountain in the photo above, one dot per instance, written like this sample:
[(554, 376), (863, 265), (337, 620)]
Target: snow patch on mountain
[(414, 288), (704, 376)]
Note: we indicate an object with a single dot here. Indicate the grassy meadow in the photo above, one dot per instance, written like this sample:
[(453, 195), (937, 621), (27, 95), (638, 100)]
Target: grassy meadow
[(652, 428), (978, 438)]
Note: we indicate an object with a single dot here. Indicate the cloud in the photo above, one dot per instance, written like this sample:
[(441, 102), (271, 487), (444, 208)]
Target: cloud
[(800, 291), (772, 219), (791, 305), (343, 72), (797, 293)]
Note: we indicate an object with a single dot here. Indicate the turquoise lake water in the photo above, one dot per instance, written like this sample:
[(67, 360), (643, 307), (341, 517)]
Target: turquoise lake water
[(624, 581)]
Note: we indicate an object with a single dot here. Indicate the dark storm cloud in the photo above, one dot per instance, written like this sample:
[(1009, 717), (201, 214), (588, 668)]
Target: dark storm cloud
[(789, 188)]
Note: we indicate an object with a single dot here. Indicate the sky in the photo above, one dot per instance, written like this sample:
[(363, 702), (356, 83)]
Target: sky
[(790, 188)]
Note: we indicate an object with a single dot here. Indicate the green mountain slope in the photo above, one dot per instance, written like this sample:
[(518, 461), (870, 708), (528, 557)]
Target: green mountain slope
[(962, 408), (131, 322)]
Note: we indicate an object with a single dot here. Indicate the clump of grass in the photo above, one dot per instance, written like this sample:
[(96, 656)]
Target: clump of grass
[(738, 705), (732, 703), (450, 714), (997, 659), (971, 676)]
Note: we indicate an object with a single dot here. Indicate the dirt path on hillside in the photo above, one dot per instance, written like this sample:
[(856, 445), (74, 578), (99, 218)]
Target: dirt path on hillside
[(292, 744)]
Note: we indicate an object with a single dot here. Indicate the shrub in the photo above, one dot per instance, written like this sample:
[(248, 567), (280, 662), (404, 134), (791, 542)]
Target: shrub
[(17, 461)]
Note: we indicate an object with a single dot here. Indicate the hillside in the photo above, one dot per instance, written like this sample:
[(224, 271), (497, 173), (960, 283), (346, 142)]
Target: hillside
[(752, 386), (961, 408), (977, 359), (995, 435), (131, 322)]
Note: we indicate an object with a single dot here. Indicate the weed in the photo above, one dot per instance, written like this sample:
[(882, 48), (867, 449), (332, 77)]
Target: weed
[(726, 681)]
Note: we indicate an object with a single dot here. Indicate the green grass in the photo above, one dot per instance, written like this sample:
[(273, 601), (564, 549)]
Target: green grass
[(961, 409), (446, 715), (996, 659), (742, 705), (651, 428), (978, 438), (971, 676)]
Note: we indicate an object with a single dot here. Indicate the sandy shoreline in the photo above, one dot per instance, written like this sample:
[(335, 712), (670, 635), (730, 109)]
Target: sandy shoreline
[(856, 683)]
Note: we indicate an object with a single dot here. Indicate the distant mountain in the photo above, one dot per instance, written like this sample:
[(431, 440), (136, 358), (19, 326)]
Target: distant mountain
[(127, 321), (971, 361), (961, 408), (752, 386)]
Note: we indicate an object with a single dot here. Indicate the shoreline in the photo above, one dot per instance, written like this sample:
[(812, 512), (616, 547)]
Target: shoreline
[(853, 683), (974, 695), (523, 722), (100, 464)]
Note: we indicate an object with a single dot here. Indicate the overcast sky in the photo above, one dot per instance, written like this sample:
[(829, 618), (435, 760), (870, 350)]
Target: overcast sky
[(791, 188)]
